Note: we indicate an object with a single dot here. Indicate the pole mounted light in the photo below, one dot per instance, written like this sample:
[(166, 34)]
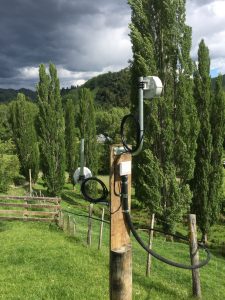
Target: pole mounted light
[(149, 87)]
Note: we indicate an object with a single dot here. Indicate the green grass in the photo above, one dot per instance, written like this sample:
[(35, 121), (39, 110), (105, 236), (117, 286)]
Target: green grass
[(39, 261)]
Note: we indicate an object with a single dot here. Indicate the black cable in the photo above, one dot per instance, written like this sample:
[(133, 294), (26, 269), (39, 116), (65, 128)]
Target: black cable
[(85, 216), (87, 197), (161, 258), (138, 134), (124, 198)]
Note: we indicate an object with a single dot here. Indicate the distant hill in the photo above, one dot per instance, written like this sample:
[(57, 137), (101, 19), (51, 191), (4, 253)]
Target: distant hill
[(214, 81), (110, 89), (10, 94)]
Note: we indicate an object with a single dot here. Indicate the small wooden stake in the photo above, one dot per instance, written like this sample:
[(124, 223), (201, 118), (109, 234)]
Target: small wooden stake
[(196, 286), (89, 233), (60, 219), (101, 230), (74, 227), (150, 241), (30, 182)]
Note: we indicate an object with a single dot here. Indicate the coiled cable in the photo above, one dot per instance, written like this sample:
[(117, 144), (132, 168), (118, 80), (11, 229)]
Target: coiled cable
[(139, 135), (84, 191)]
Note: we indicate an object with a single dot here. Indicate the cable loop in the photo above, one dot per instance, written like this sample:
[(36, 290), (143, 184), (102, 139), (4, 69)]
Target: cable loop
[(138, 134), (84, 191)]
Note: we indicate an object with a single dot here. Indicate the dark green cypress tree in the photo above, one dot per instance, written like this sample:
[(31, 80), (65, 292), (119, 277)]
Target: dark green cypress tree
[(200, 182), (88, 129), (72, 139), (51, 126), (23, 117), (217, 131)]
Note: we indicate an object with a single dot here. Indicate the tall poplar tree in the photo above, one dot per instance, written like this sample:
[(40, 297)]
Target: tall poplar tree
[(88, 129), (51, 129), (200, 184), (217, 119), (161, 44), (72, 139), (23, 117)]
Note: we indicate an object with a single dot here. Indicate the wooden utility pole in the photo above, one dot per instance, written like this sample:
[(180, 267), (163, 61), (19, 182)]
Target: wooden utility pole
[(150, 241), (120, 246), (196, 286)]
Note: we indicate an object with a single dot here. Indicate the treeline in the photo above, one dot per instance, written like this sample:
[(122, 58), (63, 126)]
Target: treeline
[(45, 135), (7, 95)]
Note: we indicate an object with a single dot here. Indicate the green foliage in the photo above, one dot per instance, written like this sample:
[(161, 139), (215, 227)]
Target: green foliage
[(5, 128), (161, 43), (217, 120), (150, 183), (23, 115), (72, 139), (200, 183), (10, 94), (109, 90), (108, 122), (9, 165), (88, 129), (51, 126)]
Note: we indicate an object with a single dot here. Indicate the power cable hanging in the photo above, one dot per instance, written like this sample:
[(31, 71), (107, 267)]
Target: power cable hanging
[(126, 211)]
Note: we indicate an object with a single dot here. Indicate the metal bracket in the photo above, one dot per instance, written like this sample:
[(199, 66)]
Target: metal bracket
[(119, 150)]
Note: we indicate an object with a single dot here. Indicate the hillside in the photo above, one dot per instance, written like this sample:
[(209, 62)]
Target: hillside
[(10, 94), (110, 89)]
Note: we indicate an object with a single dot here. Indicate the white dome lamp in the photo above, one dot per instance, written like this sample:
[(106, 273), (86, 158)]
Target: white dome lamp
[(78, 178), (82, 172)]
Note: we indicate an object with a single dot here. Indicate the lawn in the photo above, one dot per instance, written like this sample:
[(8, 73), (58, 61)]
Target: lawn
[(39, 261)]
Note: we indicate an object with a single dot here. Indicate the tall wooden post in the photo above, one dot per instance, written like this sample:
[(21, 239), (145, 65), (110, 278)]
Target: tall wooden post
[(101, 230), (196, 286), (120, 246), (89, 233), (150, 241)]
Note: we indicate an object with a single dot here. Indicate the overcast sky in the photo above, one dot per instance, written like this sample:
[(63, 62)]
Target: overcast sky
[(85, 37)]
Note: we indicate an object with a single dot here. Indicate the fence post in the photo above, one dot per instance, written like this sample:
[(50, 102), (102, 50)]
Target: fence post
[(101, 230), (60, 219), (74, 227), (150, 241), (196, 286), (120, 246), (64, 222), (30, 182), (89, 233)]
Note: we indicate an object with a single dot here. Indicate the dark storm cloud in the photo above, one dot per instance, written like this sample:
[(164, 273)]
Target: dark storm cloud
[(70, 33)]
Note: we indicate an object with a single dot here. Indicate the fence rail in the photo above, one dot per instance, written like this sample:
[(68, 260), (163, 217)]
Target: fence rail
[(48, 208)]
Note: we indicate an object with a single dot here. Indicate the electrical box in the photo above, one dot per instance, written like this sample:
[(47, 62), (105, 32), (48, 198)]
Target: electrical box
[(152, 87), (125, 168)]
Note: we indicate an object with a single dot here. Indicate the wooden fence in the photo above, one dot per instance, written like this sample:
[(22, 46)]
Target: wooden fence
[(24, 208)]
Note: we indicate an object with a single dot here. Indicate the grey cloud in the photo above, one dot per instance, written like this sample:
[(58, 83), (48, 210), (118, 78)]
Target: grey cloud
[(65, 32)]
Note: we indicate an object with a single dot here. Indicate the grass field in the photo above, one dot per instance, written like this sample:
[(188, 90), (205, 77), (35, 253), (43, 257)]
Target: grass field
[(39, 261)]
